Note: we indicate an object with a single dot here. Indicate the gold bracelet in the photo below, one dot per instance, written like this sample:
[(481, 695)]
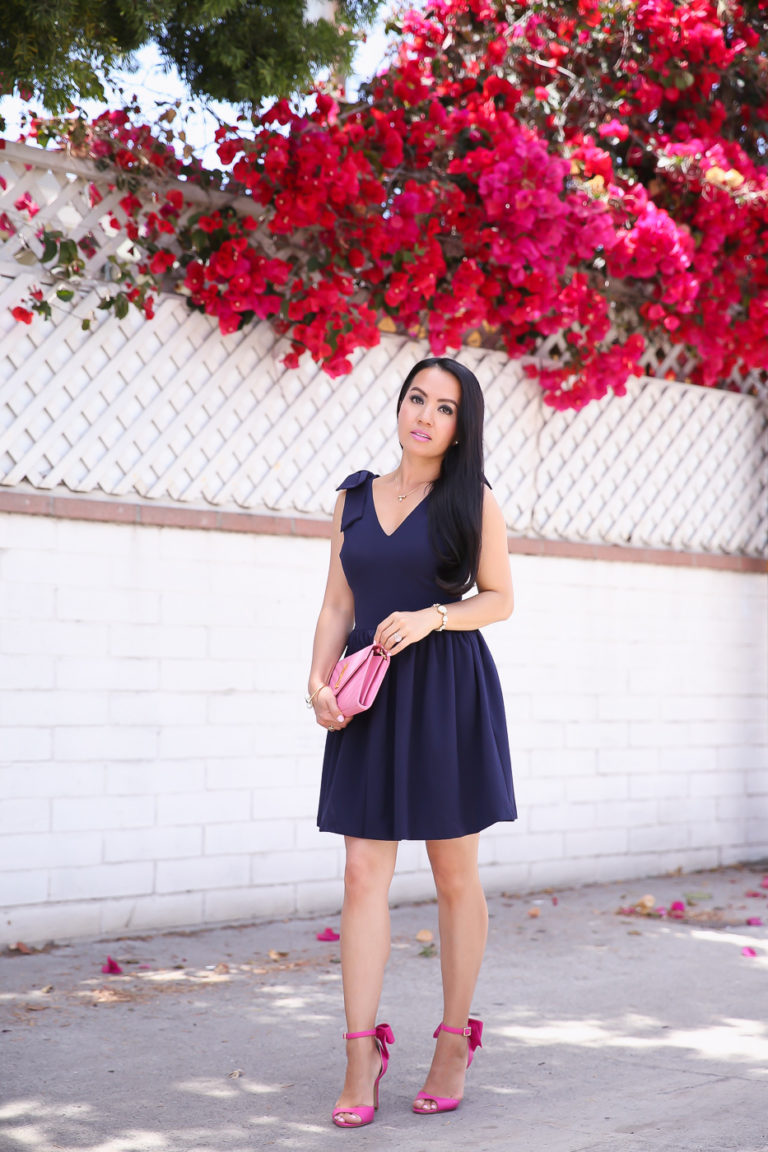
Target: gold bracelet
[(441, 608), (308, 699)]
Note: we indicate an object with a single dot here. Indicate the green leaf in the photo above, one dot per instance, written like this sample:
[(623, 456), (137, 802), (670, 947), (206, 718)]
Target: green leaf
[(50, 247), (86, 324), (67, 252), (121, 305), (65, 294)]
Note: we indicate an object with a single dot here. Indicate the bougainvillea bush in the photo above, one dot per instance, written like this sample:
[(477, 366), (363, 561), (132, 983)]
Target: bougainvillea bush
[(591, 169)]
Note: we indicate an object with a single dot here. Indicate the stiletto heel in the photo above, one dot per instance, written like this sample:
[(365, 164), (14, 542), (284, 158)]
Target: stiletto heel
[(383, 1035), (473, 1033)]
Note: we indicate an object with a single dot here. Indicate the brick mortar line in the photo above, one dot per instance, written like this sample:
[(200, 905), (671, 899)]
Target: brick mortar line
[(264, 524)]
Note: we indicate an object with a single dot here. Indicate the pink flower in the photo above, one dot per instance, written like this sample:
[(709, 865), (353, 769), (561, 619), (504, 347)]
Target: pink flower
[(328, 934), (111, 967), (25, 203), (614, 128)]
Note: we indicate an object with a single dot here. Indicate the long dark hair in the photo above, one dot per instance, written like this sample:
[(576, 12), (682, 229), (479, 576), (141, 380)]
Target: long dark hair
[(456, 503)]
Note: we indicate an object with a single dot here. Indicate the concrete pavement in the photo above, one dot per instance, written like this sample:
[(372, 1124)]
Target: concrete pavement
[(604, 1032)]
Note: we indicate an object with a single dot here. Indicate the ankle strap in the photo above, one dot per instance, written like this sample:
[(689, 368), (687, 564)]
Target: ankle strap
[(383, 1034), (456, 1031)]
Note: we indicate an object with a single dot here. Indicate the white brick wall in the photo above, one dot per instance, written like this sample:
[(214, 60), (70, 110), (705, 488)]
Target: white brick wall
[(158, 766)]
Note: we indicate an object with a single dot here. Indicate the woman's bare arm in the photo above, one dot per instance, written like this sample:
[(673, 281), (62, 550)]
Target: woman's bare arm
[(494, 599), (337, 615)]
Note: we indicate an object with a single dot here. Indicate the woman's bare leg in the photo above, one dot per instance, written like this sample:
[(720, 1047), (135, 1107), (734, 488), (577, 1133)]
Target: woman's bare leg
[(463, 923), (365, 944)]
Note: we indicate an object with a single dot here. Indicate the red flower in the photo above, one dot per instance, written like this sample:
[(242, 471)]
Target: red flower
[(210, 223), (455, 200), (228, 322), (175, 199), (131, 204), (327, 107), (228, 149), (497, 50), (23, 315), (195, 277), (161, 262)]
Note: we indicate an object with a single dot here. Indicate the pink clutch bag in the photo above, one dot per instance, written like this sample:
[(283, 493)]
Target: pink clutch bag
[(356, 678)]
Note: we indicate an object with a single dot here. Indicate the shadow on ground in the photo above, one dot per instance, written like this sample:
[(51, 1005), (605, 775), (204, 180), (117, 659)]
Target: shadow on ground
[(604, 1032)]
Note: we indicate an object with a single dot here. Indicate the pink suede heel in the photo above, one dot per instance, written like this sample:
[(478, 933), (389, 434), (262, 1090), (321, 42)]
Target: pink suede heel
[(364, 1112), (473, 1033)]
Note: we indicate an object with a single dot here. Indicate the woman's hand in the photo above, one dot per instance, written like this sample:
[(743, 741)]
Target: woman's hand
[(401, 629), (327, 711)]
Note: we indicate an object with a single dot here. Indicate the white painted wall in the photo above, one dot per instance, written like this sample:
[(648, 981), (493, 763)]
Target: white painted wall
[(158, 766)]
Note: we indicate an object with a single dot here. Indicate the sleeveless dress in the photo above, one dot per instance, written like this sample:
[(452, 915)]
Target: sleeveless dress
[(430, 759)]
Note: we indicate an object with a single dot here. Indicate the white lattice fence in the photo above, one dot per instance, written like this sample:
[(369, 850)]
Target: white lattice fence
[(671, 466), (170, 410), (58, 197), (51, 191)]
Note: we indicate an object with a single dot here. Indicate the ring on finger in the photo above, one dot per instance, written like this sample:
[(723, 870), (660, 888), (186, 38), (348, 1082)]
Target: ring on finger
[(397, 638), (331, 727)]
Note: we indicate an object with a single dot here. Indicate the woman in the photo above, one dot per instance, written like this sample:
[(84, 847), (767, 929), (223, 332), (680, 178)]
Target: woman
[(430, 759)]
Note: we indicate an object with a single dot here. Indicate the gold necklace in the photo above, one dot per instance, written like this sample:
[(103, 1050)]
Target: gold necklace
[(405, 495)]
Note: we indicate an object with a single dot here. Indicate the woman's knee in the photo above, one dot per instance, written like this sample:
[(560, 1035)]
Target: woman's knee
[(455, 872), (453, 884), (367, 873)]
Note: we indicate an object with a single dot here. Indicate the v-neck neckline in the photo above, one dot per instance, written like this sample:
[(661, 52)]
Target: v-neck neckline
[(397, 528)]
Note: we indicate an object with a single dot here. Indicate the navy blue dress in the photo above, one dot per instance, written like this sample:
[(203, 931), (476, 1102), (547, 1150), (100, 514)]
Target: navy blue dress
[(430, 759)]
